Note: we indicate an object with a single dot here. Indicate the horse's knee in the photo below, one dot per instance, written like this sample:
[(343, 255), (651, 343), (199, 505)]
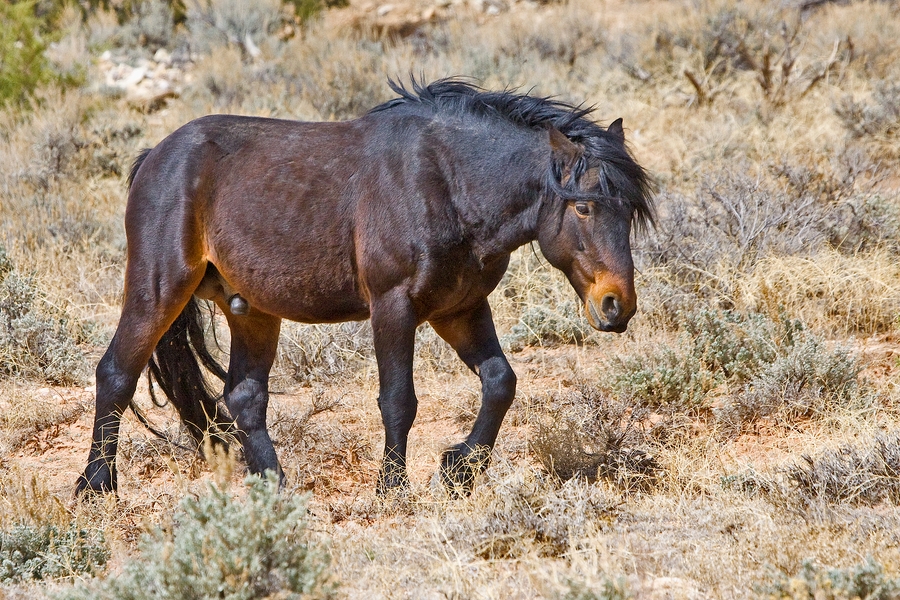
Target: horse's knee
[(115, 385), (499, 383), (248, 402)]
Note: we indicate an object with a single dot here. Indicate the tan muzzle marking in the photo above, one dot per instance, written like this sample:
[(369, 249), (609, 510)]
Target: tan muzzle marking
[(610, 302)]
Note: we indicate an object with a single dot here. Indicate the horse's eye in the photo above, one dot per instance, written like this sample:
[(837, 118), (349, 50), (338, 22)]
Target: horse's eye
[(583, 209)]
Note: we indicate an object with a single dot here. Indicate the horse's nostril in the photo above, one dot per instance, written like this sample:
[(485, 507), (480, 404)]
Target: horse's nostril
[(610, 306)]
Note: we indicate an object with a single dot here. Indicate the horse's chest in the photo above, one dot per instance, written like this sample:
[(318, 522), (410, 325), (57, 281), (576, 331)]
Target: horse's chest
[(446, 286)]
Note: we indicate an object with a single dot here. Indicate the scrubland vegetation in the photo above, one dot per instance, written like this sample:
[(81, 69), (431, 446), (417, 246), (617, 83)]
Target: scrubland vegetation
[(741, 440)]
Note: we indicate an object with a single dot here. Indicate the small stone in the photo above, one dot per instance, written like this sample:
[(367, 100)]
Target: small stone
[(384, 9), (162, 56)]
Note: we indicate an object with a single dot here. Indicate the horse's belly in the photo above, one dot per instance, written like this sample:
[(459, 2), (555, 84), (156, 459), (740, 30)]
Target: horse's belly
[(311, 292)]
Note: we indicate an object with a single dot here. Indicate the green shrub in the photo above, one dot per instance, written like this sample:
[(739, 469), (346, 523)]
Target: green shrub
[(219, 546), (28, 552), (23, 65), (866, 581)]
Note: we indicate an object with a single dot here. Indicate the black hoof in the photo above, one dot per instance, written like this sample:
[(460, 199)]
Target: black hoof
[(87, 487), (460, 465)]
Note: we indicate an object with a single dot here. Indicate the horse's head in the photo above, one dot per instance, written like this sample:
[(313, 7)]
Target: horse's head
[(598, 193)]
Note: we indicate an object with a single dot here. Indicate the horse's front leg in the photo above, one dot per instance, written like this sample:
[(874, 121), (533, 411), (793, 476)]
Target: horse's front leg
[(474, 338), (394, 334)]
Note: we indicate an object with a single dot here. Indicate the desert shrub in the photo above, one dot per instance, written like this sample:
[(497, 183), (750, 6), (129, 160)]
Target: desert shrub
[(830, 291), (706, 241), (878, 117), (545, 325), (342, 78), (314, 448), (867, 476), (803, 381), (146, 23), (770, 42), (219, 546), (28, 552), (516, 512), (766, 364), (866, 581), (612, 589), (310, 353), (244, 24), (589, 434), (36, 339)]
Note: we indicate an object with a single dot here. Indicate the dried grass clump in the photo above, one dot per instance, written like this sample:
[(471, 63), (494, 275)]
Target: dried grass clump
[(240, 23), (879, 117), (318, 353), (516, 512), (829, 291), (314, 449), (589, 435), (866, 581), (708, 241), (535, 306), (221, 546), (850, 475)]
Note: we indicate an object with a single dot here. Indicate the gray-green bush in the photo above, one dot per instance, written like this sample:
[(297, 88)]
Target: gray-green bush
[(28, 552), (36, 338), (865, 581), (766, 364), (222, 546)]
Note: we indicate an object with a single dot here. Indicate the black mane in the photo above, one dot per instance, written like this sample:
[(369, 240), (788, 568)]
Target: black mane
[(622, 177)]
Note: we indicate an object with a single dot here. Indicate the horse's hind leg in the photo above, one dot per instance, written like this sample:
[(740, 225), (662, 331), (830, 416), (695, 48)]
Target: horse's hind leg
[(474, 338), (149, 310), (254, 341)]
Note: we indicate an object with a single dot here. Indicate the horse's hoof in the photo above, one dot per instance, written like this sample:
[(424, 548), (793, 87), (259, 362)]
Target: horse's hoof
[(460, 465), (85, 488)]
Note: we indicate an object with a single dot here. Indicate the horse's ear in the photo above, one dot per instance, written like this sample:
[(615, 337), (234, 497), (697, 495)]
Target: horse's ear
[(563, 147), (615, 129)]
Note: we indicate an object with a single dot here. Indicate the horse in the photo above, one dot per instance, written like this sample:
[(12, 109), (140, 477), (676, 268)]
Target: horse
[(405, 215)]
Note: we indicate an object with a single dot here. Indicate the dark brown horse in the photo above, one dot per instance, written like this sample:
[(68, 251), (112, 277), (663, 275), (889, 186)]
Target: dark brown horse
[(405, 215)]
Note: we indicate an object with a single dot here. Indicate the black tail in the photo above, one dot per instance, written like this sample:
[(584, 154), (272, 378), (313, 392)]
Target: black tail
[(175, 366)]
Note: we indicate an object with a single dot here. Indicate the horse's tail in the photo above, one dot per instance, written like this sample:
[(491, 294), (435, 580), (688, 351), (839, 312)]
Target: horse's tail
[(142, 156), (175, 367)]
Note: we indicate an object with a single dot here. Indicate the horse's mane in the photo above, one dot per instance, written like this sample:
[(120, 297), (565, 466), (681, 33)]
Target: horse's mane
[(622, 176)]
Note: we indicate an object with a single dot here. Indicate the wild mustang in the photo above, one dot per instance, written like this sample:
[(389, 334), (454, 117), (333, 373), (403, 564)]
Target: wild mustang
[(405, 215)]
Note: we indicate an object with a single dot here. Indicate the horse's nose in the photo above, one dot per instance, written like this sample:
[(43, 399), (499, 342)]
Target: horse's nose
[(609, 313), (611, 307)]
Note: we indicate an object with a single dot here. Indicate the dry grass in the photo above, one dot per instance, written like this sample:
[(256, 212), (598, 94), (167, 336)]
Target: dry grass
[(771, 137)]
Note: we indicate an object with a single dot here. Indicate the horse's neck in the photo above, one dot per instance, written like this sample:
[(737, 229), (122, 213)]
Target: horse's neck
[(499, 201)]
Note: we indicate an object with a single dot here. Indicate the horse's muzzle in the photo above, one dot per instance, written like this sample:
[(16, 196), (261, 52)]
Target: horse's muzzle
[(609, 313)]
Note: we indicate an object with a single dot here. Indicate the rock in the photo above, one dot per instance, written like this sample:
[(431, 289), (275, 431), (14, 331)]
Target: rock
[(162, 56), (384, 9)]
